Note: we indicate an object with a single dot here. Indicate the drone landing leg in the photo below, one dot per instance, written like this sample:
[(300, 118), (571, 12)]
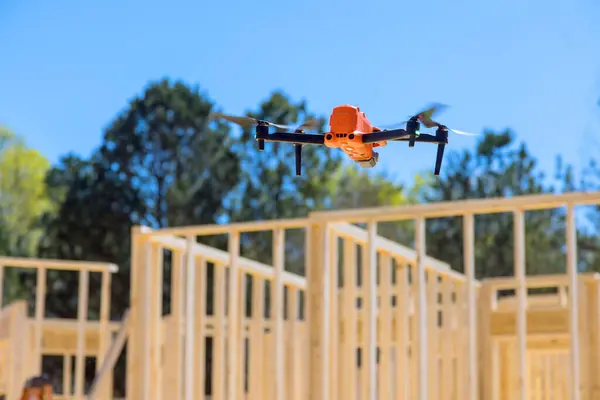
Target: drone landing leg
[(298, 151), (441, 134), (438, 159), (261, 130)]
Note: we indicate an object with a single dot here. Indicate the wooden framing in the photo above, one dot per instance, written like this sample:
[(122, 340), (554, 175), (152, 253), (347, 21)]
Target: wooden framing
[(372, 319), (28, 339)]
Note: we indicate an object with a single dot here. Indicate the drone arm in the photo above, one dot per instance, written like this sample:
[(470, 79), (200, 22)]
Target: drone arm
[(296, 138), (425, 138), (380, 136), (401, 135)]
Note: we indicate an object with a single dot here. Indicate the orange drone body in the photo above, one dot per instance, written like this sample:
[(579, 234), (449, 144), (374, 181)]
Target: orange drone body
[(347, 125)]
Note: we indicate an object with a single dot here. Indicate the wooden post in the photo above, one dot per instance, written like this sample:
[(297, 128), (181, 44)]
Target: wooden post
[(67, 378), (297, 375), (385, 335), (82, 312), (18, 333), (486, 346), (156, 269), (469, 268), (370, 282), (433, 374), (145, 358), (277, 312), (106, 388), (318, 310), (137, 361), (334, 353), (190, 301), (40, 310), (219, 389), (447, 333), (571, 239), (349, 391), (233, 333), (403, 364), (200, 330), (257, 334), (421, 312), (176, 356), (520, 276)]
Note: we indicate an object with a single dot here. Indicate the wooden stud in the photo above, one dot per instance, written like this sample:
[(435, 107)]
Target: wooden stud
[(219, 388), (350, 343), (40, 310), (277, 313), (370, 282), (82, 313), (319, 301), (574, 347), (403, 299), (190, 315), (334, 314), (422, 350), (178, 303), (385, 335), (200, 329), (469, 268), (233, 354), (257, 333), (520, 277)]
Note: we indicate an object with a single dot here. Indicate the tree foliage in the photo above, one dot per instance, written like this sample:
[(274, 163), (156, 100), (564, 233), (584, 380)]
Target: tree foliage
[(23, 196)]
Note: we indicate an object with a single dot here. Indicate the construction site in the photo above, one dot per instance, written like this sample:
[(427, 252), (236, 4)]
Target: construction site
[(370, 319)]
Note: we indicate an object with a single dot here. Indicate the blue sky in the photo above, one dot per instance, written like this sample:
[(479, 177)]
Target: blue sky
[(68, 67)]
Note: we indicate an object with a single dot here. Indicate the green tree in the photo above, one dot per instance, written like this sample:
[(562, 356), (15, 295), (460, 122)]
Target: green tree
[(23, 200), (160, 164), (23, 196), (164, 147)]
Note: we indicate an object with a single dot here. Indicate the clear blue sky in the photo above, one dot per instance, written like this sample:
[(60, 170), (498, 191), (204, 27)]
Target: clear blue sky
[(69, 66)]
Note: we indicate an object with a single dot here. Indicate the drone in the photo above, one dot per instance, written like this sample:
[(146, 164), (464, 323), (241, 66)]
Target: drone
[(353, 133)]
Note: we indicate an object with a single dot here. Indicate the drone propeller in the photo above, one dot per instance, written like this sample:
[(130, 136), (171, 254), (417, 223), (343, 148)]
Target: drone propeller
[(425, 117), (246, 121)]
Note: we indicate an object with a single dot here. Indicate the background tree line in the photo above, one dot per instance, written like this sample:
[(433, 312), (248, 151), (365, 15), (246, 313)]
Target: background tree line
[(161, 162)]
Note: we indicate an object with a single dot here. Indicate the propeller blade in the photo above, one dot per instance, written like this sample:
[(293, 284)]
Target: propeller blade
[(246, 121), (393, 126), (309, 125), (242, 121), (425, 117), (463, 133)]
